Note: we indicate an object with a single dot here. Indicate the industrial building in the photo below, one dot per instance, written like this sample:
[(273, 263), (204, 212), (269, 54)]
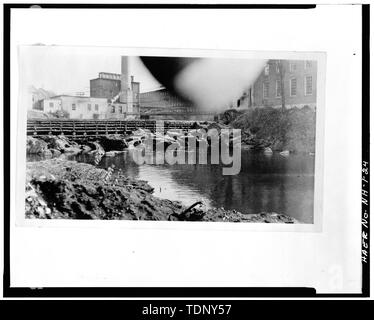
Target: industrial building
[(162, 100), (77, 107), (162, 104), (293, 81), (298, 79), (111, 96), (121, 91)]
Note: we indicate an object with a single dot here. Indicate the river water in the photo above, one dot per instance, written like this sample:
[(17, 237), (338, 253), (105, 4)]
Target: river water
[(266, 183)]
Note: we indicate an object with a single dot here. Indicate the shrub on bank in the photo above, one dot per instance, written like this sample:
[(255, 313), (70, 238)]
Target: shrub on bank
[(290, 129)]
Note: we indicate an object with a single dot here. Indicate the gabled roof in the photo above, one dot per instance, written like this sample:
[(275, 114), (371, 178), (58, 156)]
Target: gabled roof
[(41, 93)]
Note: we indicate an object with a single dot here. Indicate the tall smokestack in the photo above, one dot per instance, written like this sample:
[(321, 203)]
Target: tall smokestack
[(124, 79)]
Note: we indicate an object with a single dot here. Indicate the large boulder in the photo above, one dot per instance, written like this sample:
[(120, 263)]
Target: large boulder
[(85, 149), (63, 144), (36, 146), (113, 142), (96, 148), (196, 125), (55, 152)]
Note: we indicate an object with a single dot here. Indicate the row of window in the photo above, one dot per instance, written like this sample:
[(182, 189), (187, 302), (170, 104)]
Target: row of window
[(180, 110), (104, 75), (292, 67), (89, 107), (113, 109), (120, 109), (156, 95), (308, 87)]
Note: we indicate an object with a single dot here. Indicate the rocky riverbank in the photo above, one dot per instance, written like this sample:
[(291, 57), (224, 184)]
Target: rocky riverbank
[(61, 189), (54, 146)]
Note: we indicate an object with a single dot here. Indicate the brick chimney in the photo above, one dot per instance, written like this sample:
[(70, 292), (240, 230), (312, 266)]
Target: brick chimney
[(124, 79)]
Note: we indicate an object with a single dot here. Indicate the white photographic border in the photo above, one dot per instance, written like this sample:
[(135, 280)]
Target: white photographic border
[(328, 260)]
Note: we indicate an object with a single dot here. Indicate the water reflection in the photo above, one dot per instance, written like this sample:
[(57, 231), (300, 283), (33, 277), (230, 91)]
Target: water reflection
[(265, 183)]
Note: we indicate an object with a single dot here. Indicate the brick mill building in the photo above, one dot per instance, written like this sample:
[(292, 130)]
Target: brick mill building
[(121, 92), (299, 78), (299, 85), (162, 100), (162, 104)]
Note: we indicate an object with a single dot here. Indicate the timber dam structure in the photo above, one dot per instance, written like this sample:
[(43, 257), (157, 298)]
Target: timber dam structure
[(96, 128)]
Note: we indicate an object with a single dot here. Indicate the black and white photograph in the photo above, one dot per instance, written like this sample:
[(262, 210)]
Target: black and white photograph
[(169, 138), (182, 151)]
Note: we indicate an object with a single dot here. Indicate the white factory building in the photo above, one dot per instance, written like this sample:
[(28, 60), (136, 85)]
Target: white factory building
[(102, 104), (77, 107)]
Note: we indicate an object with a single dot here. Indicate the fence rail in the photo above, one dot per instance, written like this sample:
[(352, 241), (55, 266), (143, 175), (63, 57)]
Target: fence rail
[(84, 128)]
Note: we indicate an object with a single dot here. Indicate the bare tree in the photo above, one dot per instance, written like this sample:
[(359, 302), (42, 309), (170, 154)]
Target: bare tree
[(281, 73), (283, 117)]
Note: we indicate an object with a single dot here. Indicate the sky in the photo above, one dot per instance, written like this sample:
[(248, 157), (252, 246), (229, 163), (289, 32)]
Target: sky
[(210, 83), (69, 70)]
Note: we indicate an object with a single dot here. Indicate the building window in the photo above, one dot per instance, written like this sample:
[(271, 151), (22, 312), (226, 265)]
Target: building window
[(120, 109), (73, 106), (265, 89), (266, 70), (307, 64), (89, 107), (51, 104), (292, 66), (308, 85), (277, 68), (278, 91), (293, 87), (96, 107), (113, 109)]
